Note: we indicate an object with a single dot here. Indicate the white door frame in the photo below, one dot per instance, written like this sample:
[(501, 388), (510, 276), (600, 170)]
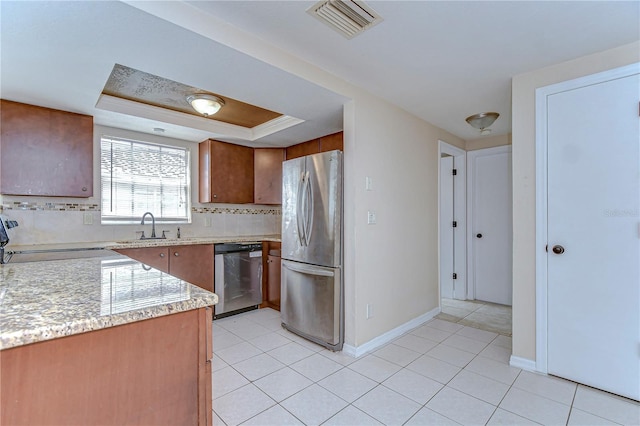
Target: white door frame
[(471, 156), (460, 200), (541, 194)]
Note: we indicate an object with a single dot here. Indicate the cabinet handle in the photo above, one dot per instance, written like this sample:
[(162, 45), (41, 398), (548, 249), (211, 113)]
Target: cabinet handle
[(161, 254), (215, 196), (84, 189), (176, 254)]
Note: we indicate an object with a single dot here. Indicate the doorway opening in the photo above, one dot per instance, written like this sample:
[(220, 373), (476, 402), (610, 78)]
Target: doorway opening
[(456, 223)]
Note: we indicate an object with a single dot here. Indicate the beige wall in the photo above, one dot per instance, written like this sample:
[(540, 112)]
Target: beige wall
[(489, 142), (392, 265), (524, 177)]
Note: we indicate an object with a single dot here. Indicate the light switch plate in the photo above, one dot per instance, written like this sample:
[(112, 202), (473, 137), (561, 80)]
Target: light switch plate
[(371, 218), (207, 221), (368, 183)]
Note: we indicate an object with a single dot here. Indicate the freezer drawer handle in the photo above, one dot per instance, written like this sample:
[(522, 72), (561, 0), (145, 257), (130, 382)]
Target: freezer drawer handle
[(308, 270)]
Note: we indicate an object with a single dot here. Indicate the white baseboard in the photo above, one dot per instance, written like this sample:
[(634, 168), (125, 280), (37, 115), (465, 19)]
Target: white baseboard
[(524, 363), (383, 339)]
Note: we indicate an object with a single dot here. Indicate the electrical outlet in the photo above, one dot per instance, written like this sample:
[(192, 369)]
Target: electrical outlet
[(207, 221), (87, 218), (371, 218)]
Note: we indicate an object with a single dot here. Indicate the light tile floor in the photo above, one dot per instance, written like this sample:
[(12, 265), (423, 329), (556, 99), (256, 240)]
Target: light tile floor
[(441, 373), (478, 314)]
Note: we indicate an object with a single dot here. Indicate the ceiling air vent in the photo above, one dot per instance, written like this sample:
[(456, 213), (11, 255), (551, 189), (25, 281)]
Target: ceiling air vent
[(348, 17)]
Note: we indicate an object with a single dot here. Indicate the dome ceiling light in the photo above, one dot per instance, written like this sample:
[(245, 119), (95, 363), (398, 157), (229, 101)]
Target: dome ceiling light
[(205, 103), (482, 121)]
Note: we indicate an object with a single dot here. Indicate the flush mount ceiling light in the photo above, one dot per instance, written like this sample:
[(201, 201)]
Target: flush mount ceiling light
[(482, 120), (205, 103)]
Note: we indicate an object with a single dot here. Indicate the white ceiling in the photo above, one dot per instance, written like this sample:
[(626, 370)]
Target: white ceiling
[(440, 60)]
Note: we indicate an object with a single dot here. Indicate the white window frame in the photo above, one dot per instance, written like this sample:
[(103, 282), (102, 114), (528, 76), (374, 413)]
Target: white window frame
[(107, 184)]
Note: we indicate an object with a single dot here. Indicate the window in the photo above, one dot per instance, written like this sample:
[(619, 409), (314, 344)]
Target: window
[(139, 177)]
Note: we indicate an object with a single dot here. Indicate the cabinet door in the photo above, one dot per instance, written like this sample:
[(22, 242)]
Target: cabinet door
[(45, 152), (156, 257), (304, 148), (226, 173), (193, 263), (273, 281), (331, 142), (268, 175)]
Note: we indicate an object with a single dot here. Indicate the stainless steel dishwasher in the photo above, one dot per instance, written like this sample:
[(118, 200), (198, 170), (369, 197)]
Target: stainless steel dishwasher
[(238, 278)]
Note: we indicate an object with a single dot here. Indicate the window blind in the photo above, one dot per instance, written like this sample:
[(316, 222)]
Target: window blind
[(139, 177)]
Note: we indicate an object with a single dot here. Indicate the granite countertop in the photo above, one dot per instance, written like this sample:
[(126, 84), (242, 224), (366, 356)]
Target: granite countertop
[(142, 243), (49, 299)]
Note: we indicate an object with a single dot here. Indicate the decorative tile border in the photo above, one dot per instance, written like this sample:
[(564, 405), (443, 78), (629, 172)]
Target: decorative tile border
[(24, 205), (227, 210)]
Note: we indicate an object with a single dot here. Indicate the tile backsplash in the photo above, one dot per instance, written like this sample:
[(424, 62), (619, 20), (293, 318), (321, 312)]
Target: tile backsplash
[(46, 222)]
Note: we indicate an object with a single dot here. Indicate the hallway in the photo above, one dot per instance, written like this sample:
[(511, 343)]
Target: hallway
[(477, 314)]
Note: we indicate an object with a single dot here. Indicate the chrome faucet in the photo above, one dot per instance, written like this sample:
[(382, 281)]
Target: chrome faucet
[(153, 225)]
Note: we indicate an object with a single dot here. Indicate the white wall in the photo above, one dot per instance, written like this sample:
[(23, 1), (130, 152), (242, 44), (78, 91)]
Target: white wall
[(524, 177), (43, 224)]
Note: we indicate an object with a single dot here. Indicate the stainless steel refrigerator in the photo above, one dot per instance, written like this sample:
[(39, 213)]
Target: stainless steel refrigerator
[(312, 301)]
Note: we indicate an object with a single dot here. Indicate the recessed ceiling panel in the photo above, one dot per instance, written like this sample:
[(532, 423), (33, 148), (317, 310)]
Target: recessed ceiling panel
[(139, 86)]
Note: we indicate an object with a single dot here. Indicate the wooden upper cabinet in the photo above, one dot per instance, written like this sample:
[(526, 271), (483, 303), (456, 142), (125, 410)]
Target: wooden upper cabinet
[(45, 151), (226, 173), (268, 175), (332, 142), (304, 148), (314, 146)]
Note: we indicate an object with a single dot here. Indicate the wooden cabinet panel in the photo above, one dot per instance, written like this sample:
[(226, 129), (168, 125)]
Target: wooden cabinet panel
[(193, 263), (45, 152), (268, 175), (226, 173), (156, 257), (273, 281), (304, 148), (331, 142), (149, 372), (271, 277)]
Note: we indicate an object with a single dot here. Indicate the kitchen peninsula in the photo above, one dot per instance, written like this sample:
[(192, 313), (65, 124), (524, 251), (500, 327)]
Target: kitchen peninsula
[(103, 340)]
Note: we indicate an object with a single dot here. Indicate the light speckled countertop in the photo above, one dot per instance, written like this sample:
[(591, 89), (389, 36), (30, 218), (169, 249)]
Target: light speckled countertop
[(143, 243), (50, 299)]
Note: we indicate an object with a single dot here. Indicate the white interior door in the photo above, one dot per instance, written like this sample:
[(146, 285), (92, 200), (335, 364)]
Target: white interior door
[(447, 262), (593, 235), (491, 224)]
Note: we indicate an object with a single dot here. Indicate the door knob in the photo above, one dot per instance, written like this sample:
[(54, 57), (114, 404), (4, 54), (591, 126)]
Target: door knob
[(478, 235), (176, 254), (558, 249)]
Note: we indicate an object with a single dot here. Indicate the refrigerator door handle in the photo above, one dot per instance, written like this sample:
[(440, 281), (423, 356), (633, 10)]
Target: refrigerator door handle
[(299, 215), (309, 211), (308, 269)]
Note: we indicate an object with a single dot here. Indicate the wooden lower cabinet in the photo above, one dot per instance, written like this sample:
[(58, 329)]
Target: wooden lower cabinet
[(151, 372), (271, 277), (192, 263), (156, 257)]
